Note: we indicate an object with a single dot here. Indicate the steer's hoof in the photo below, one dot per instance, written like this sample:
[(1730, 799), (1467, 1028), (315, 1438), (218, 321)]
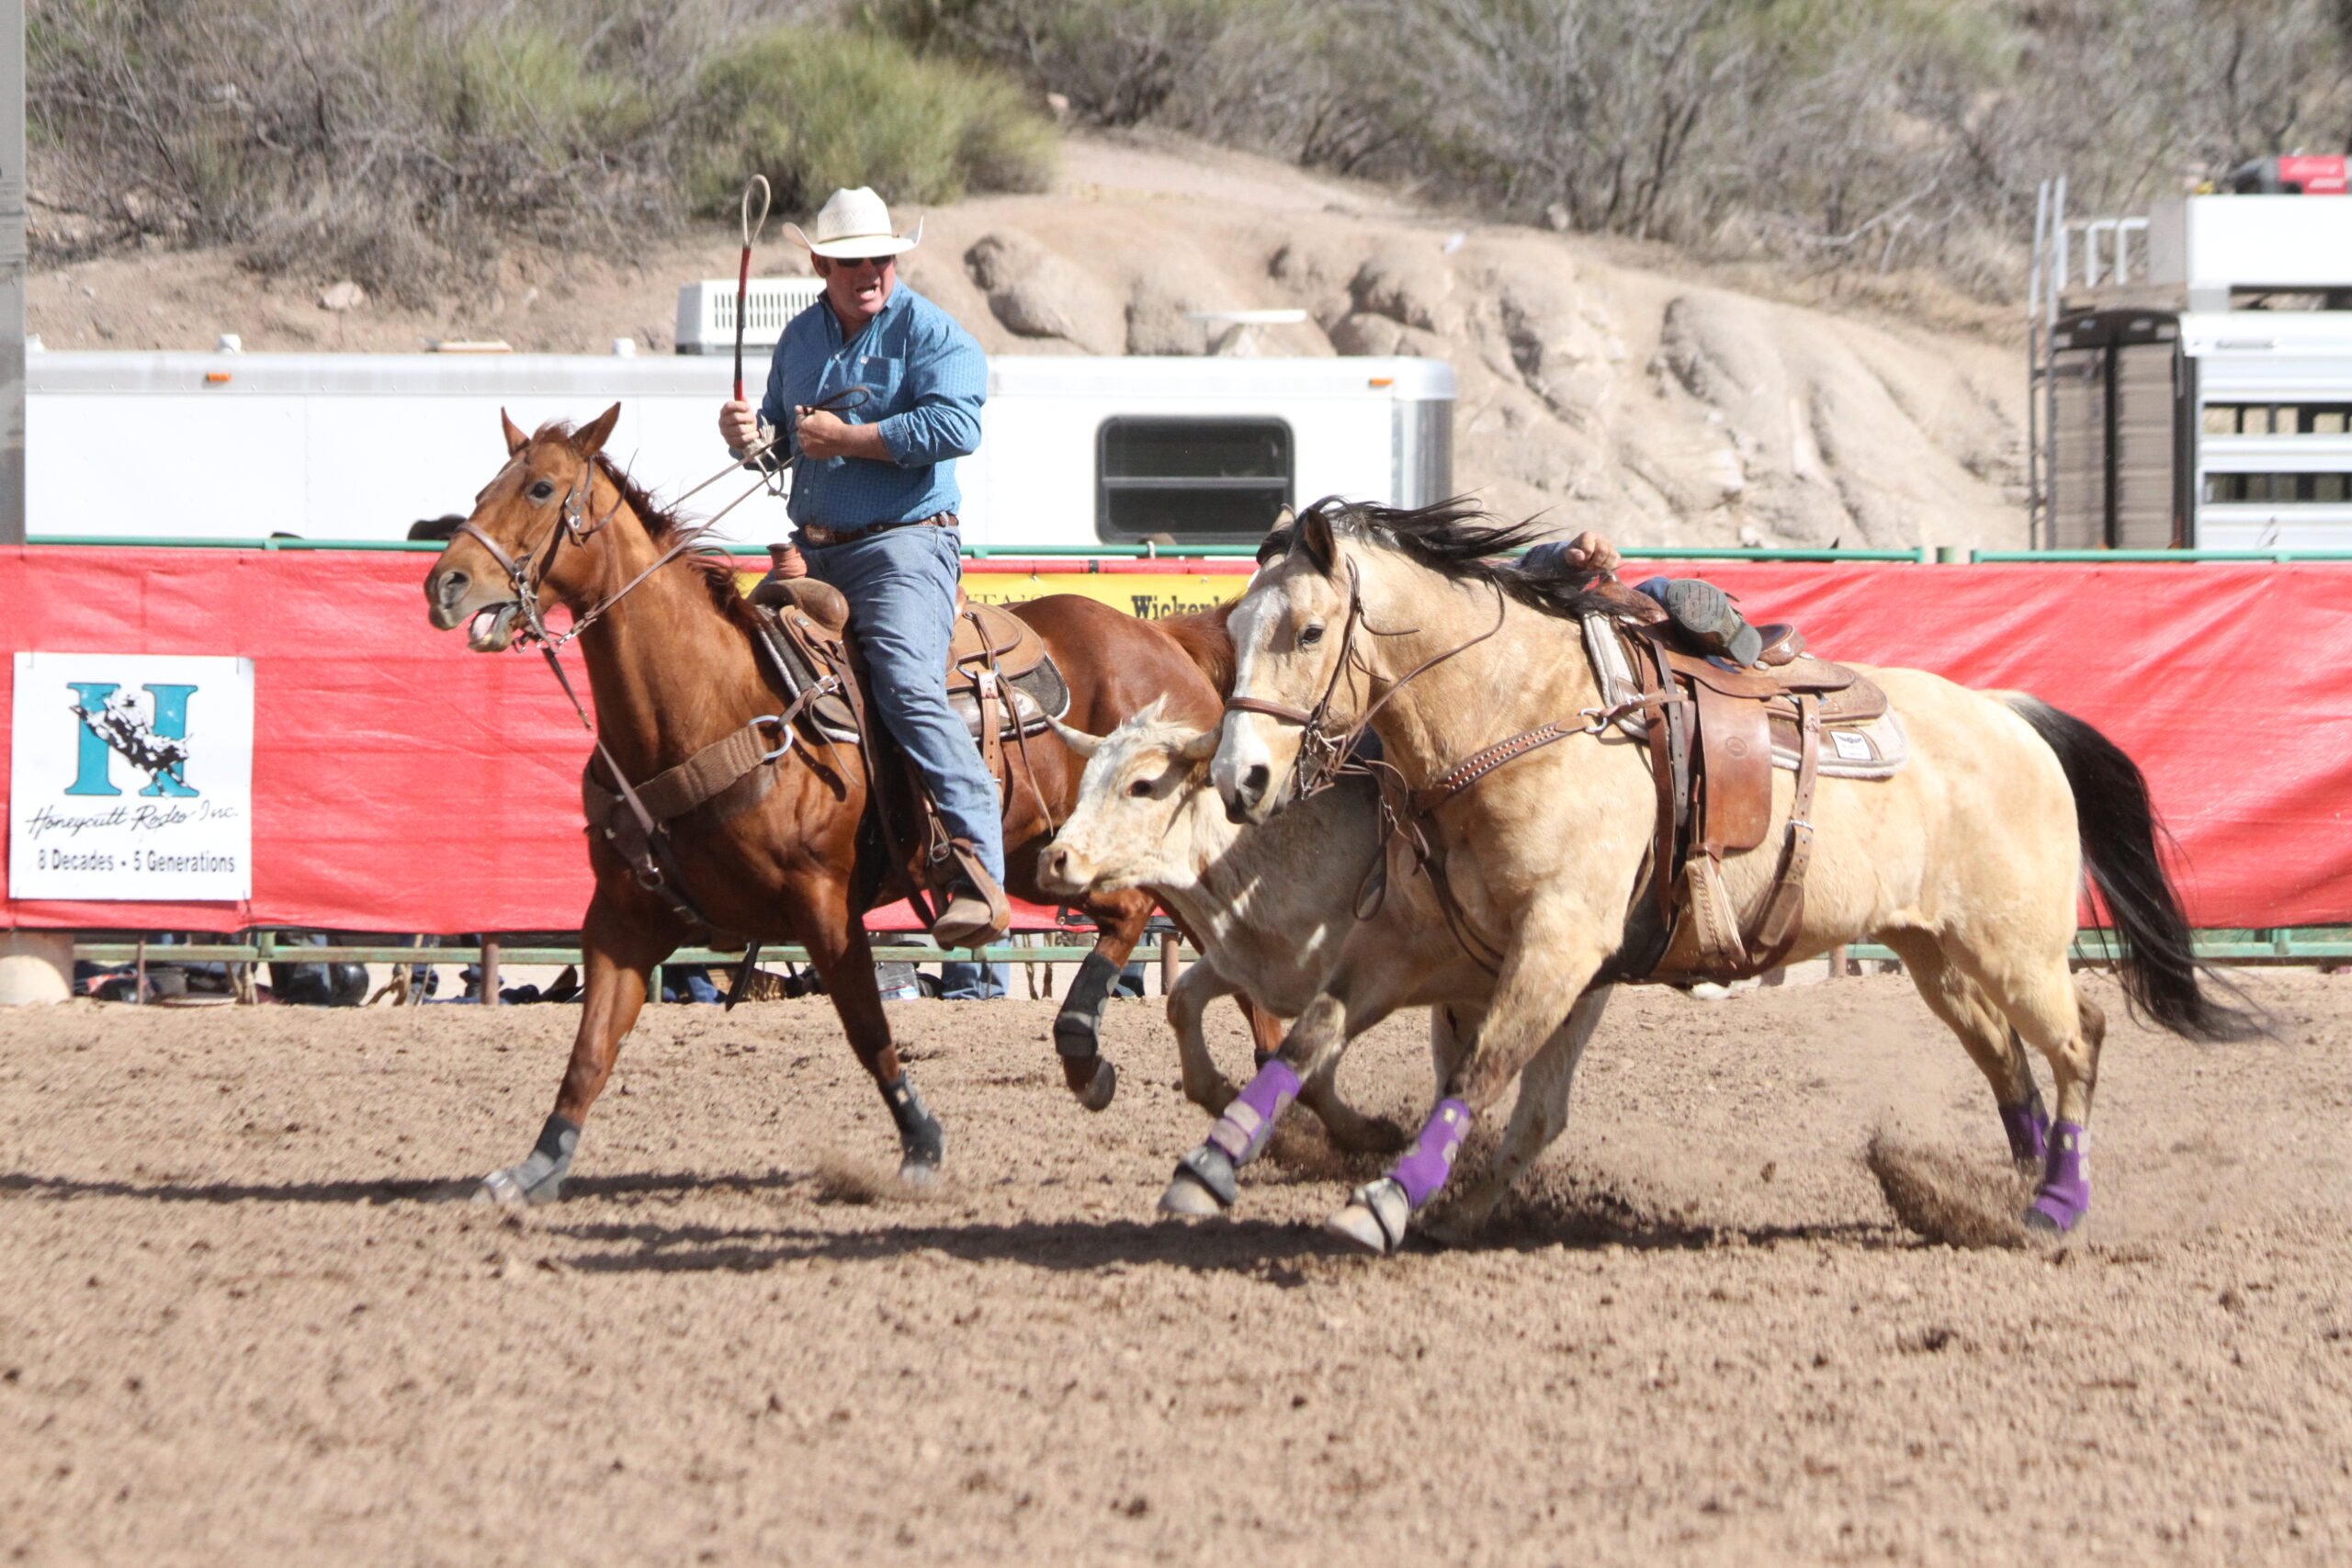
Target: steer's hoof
[(1100, 1089), (1374, 1218)]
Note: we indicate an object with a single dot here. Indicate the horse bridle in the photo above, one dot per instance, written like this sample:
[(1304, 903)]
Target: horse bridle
[(1324, 755), (526, 575)]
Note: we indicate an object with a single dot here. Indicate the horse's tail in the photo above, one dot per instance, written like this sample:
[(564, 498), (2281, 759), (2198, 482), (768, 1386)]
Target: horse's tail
[(1202, 636), (2121, 838)]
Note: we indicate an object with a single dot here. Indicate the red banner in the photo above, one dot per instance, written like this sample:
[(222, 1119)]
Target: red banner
[(402, 783)]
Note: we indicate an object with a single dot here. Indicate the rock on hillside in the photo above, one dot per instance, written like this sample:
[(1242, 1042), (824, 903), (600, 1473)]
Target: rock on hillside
[(1597, 393), (1597, 389)]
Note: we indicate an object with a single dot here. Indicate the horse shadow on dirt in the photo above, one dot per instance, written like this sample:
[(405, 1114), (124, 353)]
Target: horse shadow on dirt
[(1264, 1247), (1584, 1220)]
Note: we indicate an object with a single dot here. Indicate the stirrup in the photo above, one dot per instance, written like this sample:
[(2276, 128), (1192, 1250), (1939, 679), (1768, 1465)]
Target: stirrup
[(978, 912)]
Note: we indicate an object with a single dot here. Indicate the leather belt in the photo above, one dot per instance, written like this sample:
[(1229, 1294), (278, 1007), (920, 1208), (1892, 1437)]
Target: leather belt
[(826, 538)]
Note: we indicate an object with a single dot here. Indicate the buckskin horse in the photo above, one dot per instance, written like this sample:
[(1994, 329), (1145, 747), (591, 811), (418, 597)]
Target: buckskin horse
[(1540, 826), (776, 856)]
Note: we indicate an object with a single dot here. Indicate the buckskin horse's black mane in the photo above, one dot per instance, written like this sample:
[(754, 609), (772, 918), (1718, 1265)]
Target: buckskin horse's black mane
[(1458, 539)]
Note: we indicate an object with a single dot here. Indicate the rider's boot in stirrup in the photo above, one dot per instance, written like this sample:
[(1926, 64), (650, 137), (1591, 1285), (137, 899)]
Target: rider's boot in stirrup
[(976, 911), (1707, 612)]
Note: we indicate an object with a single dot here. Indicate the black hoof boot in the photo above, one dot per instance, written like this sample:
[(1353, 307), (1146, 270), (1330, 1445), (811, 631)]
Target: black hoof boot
[(1203, 1186), (539, 1178), (1078, 1028), (922, 1144)]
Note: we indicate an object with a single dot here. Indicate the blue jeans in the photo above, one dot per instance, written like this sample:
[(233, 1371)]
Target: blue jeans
[(900, 585), (974, 982)]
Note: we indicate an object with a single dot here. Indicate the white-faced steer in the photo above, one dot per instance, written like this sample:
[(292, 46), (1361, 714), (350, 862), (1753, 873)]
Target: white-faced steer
[(1272, 907)]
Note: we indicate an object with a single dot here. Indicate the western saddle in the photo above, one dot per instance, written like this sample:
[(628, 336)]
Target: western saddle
[(1001, 680), (1713, 734)]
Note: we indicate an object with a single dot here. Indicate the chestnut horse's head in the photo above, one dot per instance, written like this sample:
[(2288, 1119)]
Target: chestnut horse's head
[(519, 541)]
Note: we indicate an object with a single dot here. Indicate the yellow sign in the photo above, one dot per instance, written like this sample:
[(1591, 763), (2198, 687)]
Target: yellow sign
[(1151, 596)]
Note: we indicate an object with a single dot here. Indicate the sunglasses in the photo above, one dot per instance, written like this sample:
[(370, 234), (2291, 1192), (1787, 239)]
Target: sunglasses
[(879, 264)]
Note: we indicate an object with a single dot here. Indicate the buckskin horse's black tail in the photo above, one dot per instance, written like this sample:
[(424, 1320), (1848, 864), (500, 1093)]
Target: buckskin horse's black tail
[(2120, 835)]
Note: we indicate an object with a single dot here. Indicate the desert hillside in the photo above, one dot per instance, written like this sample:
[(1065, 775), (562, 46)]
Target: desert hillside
[(1601, 384)]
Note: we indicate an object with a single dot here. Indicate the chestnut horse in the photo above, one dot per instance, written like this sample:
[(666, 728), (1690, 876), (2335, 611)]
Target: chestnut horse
[(672, 668)]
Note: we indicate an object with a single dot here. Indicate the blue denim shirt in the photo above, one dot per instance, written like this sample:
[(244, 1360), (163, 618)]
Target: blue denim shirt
[(929, 380)]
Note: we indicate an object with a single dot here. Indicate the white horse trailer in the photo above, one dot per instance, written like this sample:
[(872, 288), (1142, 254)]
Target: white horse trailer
[(2192, 370), (1075, 451)]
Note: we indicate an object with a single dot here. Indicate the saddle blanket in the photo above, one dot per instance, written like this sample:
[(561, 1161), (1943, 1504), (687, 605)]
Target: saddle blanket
[(1875, 749)]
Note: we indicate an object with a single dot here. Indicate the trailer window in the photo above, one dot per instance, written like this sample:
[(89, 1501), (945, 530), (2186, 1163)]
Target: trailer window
[(1197, 480), (2329, 490)]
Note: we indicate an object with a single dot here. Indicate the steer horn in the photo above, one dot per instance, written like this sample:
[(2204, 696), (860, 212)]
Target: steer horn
[(1202, 747), (1078, 740)]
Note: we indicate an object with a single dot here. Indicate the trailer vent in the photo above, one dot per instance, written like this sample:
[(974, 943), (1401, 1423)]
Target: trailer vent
[(1195, 480), (706, 312)]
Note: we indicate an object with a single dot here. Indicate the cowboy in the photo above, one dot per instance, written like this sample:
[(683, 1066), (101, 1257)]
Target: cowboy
[(877, 391), (1701, 609)]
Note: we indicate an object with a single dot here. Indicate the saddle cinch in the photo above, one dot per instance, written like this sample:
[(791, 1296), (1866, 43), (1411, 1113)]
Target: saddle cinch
[(1714, 736)]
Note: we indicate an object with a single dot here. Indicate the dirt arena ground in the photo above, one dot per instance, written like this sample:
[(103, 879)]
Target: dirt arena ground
[(240, 1321)]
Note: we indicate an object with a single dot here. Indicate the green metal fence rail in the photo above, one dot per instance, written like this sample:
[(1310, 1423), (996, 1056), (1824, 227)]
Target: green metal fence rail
[(2232, 945), (1922, 554), (2152, 557), (978, 552), (292, 952)]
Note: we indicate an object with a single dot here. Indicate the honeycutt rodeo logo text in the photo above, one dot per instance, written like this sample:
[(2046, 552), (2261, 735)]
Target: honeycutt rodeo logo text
[(137, 818)]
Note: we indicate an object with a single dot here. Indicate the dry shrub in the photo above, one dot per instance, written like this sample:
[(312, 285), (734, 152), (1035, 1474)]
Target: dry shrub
[(401, 142), (1841, 135), (815, 109)]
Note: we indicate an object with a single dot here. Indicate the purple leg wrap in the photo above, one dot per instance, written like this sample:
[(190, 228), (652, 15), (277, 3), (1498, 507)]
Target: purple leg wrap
[(2064, 1195), (2028, 1126), (1249, 1121), (1430, 1161)]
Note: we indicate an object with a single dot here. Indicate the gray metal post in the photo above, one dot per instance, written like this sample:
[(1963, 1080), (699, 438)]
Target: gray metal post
[(12, 272)]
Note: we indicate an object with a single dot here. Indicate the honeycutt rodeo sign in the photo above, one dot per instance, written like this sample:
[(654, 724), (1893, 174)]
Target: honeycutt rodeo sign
[(130, 777)]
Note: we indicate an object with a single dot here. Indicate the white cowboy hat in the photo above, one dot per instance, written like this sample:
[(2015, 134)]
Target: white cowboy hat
[(856, 223)]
